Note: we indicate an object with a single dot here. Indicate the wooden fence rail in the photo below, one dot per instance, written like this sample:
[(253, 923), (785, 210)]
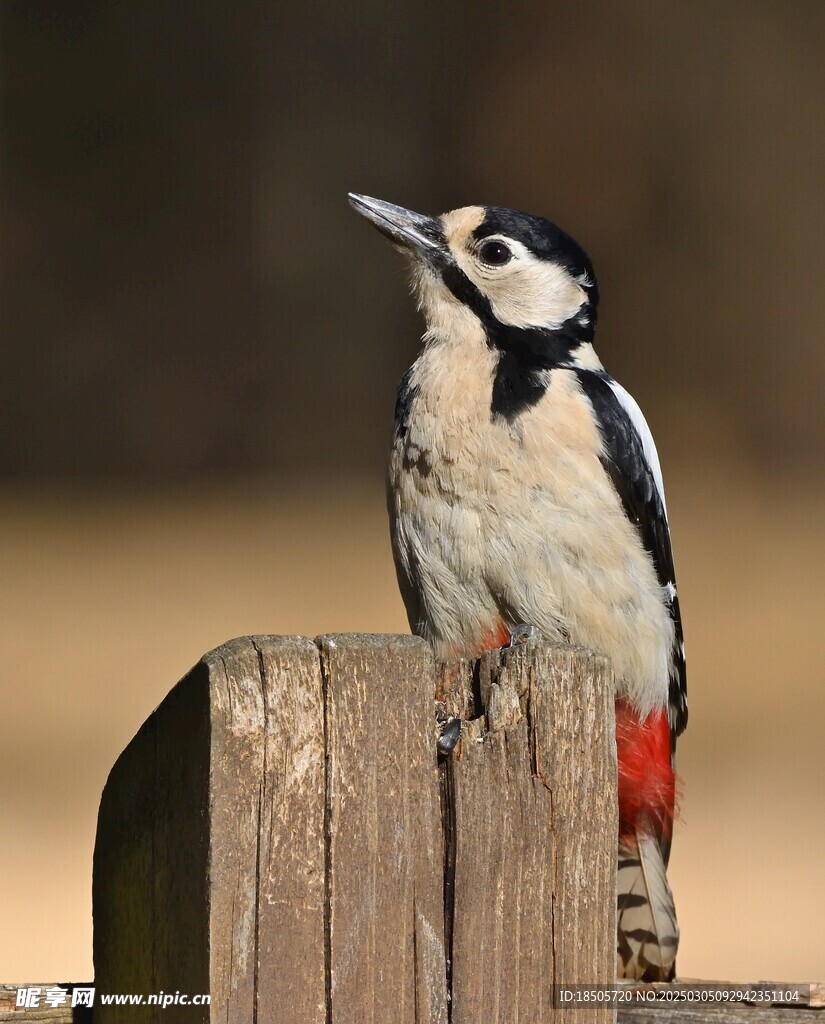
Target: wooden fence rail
[(280, 835)]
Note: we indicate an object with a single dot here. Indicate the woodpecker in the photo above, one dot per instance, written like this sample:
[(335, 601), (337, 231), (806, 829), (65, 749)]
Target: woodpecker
[(525, 492)]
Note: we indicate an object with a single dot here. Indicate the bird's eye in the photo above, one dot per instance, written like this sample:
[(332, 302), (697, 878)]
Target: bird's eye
[(494, 254)]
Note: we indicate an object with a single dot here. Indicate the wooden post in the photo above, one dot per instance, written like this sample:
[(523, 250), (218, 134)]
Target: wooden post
[(534, 786), (279, 835)]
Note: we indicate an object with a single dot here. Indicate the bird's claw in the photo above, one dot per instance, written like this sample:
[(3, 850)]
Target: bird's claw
[(449, 737), (522, 634)]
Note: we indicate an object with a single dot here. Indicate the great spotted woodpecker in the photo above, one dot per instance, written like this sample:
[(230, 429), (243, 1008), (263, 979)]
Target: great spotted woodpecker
[(525, 488)]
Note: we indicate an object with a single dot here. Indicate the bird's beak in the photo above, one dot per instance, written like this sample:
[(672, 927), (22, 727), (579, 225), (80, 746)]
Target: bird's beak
[(410, 230)]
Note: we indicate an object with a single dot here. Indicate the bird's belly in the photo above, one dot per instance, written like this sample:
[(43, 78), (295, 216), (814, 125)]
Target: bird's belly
[(492, 536)]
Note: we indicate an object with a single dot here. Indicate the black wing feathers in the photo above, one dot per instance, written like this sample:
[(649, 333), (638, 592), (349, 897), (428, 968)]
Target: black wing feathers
[(625, 462)]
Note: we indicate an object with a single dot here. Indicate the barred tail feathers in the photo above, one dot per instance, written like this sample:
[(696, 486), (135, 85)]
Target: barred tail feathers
[(648, 933)]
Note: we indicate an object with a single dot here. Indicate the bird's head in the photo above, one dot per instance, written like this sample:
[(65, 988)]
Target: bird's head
[(528, 282)]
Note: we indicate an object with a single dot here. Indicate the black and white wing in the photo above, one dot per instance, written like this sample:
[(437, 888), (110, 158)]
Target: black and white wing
[(629, 457)]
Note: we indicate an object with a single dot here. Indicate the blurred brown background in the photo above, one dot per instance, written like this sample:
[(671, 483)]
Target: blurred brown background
[(201, 345)]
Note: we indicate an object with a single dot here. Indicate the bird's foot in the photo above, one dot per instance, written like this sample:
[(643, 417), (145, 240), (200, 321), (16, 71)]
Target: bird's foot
[(523, 634), (449, 737)]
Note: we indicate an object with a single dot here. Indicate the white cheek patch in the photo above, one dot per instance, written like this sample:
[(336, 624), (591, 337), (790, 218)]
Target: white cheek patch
[(527, 291)]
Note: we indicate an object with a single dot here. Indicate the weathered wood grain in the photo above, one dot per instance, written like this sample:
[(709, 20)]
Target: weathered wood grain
[(571, 698), (535, 821), (236, 777), (209, 860), (502, 952), (266, 831), (47, 1015), (720, 1014), (291, 855), (44, 1014), (454, 690), (384, 867)]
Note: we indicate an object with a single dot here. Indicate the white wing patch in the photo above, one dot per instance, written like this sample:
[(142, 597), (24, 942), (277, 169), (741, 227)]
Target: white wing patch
[(631, 407)]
